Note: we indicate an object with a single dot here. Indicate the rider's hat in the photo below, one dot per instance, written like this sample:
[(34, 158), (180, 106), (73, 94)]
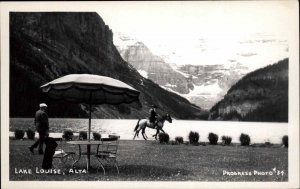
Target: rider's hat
[(154, 106), (43, 105)]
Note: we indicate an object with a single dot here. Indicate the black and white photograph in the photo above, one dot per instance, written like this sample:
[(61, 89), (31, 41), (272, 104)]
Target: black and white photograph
[(180, 94)]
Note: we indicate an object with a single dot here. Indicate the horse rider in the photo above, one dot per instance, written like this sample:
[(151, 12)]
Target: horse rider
[(153, 116)]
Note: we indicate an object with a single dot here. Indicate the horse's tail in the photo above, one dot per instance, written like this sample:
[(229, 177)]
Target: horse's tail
[(137, 125)]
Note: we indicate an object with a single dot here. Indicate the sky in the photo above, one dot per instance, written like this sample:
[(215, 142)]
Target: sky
[(205, 33)]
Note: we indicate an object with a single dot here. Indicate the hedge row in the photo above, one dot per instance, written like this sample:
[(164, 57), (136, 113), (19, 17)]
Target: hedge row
[(213, 138), (67, 134), (19, 134), (163, 137)]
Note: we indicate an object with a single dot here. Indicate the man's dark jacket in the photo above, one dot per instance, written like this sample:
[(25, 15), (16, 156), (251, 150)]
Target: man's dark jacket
[(41, 121)]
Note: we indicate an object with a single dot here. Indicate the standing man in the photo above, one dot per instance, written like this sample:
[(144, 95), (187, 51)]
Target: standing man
[(42, 126), (153, 116)]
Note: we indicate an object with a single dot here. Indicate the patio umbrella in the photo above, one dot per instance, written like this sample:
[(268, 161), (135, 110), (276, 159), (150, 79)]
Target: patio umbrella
[(90, 89)]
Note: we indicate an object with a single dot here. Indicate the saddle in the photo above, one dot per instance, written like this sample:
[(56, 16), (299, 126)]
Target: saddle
[(152, 125)]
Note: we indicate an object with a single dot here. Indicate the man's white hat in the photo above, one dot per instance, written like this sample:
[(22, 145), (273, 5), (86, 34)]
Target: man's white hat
[(43, 105)]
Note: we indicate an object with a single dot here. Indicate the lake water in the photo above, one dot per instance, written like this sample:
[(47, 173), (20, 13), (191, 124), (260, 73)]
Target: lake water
[(258, 132)]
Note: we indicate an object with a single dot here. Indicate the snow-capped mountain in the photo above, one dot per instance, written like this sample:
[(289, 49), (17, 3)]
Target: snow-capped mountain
[(151, 66), (203, 85), (211, 82)]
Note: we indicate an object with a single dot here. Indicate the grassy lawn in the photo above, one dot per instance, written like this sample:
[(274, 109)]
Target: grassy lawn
[(151, 161)]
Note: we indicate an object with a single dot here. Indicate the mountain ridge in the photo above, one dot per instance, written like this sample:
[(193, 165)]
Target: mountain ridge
[(45, 46), (261, 95)]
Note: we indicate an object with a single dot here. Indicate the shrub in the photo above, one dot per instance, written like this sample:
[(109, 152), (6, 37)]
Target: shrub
[(96, 136), (68, 134), (19, 134), (268, 143), (163, 138), (285, 141), (30, 134), (226, 140), (179, 140), (213, 138), (245, 139), (173, 142), (82, 135), (194, 137)]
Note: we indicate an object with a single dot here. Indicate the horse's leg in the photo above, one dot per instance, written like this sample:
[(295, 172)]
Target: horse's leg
[(143, 133), (135, 134), (157, 132)]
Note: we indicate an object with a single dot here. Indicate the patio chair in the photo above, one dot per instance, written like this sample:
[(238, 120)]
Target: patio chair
[(62, 154), (107, 152)]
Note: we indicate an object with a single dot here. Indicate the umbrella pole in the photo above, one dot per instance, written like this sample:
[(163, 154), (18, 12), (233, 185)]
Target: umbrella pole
[(90, 117), (89, 135)]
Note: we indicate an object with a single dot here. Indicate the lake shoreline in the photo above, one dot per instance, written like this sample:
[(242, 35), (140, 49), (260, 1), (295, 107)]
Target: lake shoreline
[(258, 132)]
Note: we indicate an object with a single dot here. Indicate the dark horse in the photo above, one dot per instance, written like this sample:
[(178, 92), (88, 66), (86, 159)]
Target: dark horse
[(143, 123)]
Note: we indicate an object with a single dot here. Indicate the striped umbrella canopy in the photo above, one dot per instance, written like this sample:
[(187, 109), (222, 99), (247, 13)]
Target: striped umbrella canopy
[(90, 89)]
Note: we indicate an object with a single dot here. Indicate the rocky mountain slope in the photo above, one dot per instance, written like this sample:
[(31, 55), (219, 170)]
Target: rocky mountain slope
[(153, 67), (45, 46), (261, 95), (211, 82), (203, 85)]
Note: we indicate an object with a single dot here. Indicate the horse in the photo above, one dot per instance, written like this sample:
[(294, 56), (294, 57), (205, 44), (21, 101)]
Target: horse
[(143, 123)]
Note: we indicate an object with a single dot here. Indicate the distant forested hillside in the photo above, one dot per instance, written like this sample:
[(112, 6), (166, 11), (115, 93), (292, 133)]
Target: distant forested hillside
[(261, 95)]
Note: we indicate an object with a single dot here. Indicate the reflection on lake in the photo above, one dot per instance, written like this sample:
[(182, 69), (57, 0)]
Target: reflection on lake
[(258, 132)]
